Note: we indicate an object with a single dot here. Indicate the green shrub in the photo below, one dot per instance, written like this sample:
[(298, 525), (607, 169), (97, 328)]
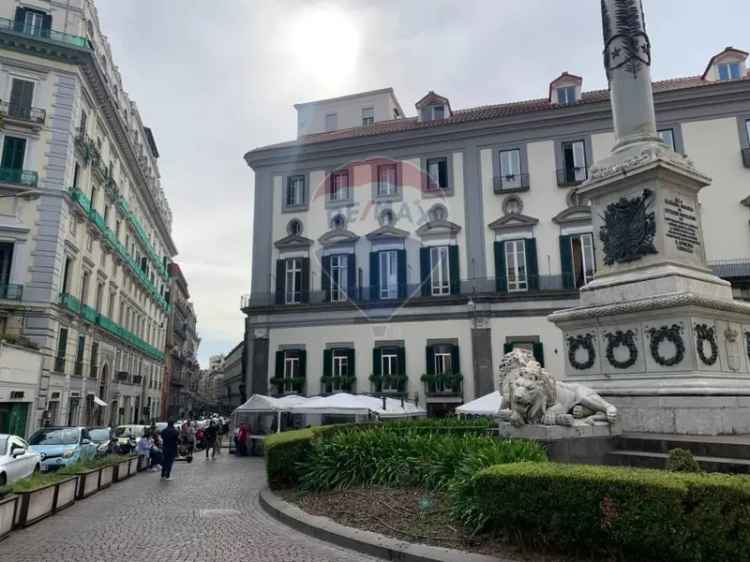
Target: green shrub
[(449, 424), (682, 460), (645, 513), (38, 480)]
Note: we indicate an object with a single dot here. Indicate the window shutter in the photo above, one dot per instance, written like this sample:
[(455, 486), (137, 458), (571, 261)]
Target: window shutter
[(538, 351), (46, 22), (455, 359), (443, 174), (279, 364), (302, 354), (430, 359), (507, 348), (325, 277), (566, 263), (351, 275), (280, 274), (21, 95), (425, 271), (401, 264), (305, 292), (376, 364), (401, 354), (501, 276), (350, 358), (532, 267), (374, 276), (327, 369), (20, 18), (454, 271)]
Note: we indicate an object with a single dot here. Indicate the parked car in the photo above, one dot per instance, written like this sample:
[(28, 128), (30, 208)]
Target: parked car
[(103, 438), (127, 437), (61, 446), (17, 460), (160, 426)]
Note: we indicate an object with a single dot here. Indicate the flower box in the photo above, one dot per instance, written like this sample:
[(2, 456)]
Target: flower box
[(37, 504), (106, 476), (88, 482), (8, 506), (142, 463), (121, 470), (132, 465)]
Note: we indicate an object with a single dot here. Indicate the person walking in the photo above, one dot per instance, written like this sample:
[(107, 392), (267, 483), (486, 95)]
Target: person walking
[(169, 449), (242, 440), (143, 449), (211, 435)]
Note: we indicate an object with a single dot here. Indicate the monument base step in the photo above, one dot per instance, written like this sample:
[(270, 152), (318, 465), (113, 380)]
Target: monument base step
[(643, 459)]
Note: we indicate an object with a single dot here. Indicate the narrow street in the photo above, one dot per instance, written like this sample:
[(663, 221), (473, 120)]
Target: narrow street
[(209, 512)]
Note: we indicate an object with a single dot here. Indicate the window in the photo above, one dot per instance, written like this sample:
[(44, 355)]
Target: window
[(78, 367), (440, 268), (332, 122), (295, 191), (291, 365), (85, 287), (6, 261), (438, 112), (340, 367), (21, 95), (387, 180), (729, 71), (574, 162), (437, 174), (94, 353), (339, 273), (111, 305), (510, 168), (388, 274), (99, 296), (584, 266), (747, 130), (14, 150), (293, 281), (389, 366), (566, 95), (667, 137), (339, 186), (82, 124), (515, 265), (368, 116), (33, 22)]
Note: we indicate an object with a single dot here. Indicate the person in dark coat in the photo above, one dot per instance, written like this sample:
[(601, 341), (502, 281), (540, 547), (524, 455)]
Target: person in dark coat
[(169, 437), (211, 435)]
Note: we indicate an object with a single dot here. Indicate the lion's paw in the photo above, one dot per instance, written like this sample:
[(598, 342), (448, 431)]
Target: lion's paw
[(611, 414)]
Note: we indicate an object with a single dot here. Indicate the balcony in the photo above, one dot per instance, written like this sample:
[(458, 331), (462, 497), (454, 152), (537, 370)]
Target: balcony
[(511, 183), (568, 177), (289, 385), (746, 157), (11, 292), (443, 385), (389, 384), (329, 385), (70, 302), (23, 115), (89, 314), (67, 39), (16, 176)]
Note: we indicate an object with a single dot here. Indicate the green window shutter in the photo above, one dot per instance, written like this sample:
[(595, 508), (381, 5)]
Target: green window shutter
[(327, 369), (351, 276), (455, 359), (305, 292), (350, 359), (302, 354), (501, 276), (455, 273), (401, 273), (566, 263), (430, 360), (325, 277), (280, 273), (538, 351), (507, 348), (425, 271), (279, 364), (377, 367), (13, 153), (532, 267), (401, 354), (20, 18), (374, 276)]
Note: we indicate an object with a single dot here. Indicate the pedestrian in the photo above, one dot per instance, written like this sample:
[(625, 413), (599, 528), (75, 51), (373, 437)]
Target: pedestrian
[(242, 439), (217, 443), (169, 449), (211, 437), (143, 449), (157, 455)]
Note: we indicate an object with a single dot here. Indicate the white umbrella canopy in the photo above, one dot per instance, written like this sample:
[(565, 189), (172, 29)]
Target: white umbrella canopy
[(259, 403), (487, 405), (343, 403)]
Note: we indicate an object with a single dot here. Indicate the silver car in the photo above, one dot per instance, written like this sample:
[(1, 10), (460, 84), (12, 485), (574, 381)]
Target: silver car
[(17, 460)]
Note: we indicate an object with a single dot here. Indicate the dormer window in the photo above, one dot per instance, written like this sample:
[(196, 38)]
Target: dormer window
[(566, 95), (438, 112), (565, 89), (729, 71), (433, 107)]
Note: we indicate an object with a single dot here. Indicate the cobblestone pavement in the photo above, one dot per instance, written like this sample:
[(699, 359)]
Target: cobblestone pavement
[(209, 512)]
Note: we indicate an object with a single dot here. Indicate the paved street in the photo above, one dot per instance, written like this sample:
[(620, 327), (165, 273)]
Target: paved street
[(208, 513)]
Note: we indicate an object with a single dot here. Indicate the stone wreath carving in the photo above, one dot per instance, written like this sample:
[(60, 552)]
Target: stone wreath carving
[(670, 334), (616, 340), (532, 396), (577, 342), (629, 229), (705, 333)]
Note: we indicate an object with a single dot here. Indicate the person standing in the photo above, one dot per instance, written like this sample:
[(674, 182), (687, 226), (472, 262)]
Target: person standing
[(211, 433), (169, 449), (242, 439)]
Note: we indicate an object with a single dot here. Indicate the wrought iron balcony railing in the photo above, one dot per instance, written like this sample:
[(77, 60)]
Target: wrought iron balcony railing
[(443, 384), (511, 182), (575, 175), (21, 112), (26, 178), (23, 28), (286, 385)]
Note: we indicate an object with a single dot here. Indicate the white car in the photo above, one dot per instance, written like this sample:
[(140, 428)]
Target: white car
[(17, 460)]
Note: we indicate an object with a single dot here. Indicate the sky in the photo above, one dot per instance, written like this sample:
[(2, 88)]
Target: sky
[(216, 78)]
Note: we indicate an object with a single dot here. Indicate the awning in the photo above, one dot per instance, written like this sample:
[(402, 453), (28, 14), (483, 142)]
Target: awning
[(487, 405), (99, 402)]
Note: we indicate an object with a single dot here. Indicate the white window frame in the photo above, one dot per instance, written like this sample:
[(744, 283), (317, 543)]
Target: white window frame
[(747, 130), (442, 364), (668, 134), (510, 168), (388, 282), (35, 24), (339, 191), (566, 95), (730, 67), (516, 272), (440, 274), (368, 116), (387, 185), (339, 277), (292, 280), (438, 112), (291, 366), (434, 180), (295, 187), (339, 368), (588, 259), (389, 366), (580, 162)]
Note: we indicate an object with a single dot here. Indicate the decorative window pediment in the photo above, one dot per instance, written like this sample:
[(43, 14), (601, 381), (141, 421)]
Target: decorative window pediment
[(293, 242), (338, 237), (439, 228), (387, 232), (573, 215), (512, 222)]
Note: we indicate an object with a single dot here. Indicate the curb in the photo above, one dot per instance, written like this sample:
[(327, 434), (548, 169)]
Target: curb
[(365, 542)]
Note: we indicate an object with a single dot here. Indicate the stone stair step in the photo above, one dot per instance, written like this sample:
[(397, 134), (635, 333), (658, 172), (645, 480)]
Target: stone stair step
[(647, 459), (721, 446)]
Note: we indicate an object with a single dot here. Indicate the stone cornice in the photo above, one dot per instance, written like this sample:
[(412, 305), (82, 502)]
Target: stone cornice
[(438, 228), (387, 232), (573, 215), (293, 242), (337, 237), (510, 222)]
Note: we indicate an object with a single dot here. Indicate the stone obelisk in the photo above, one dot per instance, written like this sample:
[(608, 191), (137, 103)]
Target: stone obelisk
[(655, 332)]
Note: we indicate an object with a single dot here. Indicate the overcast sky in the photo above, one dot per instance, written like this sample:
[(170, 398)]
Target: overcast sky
[(216, 78)]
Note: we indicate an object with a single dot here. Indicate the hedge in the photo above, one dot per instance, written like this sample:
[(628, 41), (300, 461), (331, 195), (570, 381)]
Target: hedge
[(643, 513)]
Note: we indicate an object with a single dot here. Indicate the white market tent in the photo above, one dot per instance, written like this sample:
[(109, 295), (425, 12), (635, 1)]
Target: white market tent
[(343, 403), (487, 405), (261, 404)]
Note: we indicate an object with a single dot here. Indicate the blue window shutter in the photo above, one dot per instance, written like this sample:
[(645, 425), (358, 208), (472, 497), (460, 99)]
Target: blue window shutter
[(401, 261), (305, 289), (280, 274), (430, 359), (374, 276), (327, 362), (454, 270), (20, 18), (566, 263), (325, 277), (501, 276), (532, 267), (425, 271), (46, 22)]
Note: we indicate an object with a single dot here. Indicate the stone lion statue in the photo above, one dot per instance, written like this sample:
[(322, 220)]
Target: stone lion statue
[(532, 396)]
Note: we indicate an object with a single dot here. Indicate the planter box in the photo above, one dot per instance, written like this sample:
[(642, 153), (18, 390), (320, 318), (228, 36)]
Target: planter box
[(106, 475), (132, 465), (142, 463), (36, 505), (88, 483), (8, 506), (121, 470)]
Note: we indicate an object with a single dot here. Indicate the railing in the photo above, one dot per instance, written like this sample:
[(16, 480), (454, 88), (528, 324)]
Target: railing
[(443, 384), (21, 177), (388, 384), (567, 177), (746, 157), (23, 112), (89, 314), (511, 182), (337, 384), (47, 34), (485, 287), (286, 385), (11, 292)]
